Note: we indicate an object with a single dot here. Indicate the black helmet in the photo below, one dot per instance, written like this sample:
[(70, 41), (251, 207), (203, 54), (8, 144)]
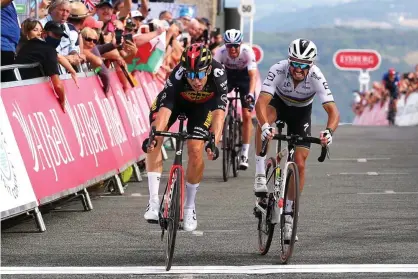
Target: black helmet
[(196, 58)]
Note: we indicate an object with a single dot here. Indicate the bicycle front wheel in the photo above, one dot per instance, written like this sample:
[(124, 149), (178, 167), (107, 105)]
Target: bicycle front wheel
[(173, 216), (237, 143), (265, 227), (288, 229), (226, 149)]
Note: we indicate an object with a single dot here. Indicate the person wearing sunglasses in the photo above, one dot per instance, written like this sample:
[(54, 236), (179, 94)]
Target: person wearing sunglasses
[(287, 94), (197, 87), (241, 68)]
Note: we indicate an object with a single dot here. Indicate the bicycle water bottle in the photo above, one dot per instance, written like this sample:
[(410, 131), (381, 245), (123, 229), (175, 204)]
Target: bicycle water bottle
[(278, 170)]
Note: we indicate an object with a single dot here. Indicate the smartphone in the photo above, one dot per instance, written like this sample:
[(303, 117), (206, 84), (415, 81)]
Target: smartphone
[(128, 37), (185, 41), (118, 36), (151, 27)]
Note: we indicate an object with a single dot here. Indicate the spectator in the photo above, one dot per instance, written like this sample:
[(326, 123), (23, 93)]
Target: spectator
[(185, 17), (194, 30), (10, 33), (137, 19), (59, 11), (44, 52), (78, 14), (216, 42), (166, 15)]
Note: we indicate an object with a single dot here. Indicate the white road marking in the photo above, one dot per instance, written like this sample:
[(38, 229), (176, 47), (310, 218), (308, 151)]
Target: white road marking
[(373, 173), (254, 269), (136, 195), (197, 233), (361, 160), (357, 159), (200, 233), (389, 193)]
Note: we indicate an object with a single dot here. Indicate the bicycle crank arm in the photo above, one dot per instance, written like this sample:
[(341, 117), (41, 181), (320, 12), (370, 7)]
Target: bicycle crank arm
[(261, 209)]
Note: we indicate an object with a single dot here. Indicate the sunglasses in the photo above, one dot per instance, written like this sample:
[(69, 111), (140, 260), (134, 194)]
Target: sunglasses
[(299, 65), (198, 75), (233, 45), (90, 40)]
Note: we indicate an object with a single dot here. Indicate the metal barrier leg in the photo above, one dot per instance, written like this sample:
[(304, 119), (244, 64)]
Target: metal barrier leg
[(85, 199), (164, 152), (137, 172), (173, 143), (119, 186), (39, 220)]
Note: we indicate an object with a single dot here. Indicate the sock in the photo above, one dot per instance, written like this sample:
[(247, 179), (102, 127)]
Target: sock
[(289, 206), (191, 190), (245, 149), (259, 165), (154, 186)]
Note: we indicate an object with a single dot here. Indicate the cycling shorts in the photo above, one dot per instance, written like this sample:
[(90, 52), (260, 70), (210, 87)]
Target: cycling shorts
[(298, 119), (240, 79), (199, 116)]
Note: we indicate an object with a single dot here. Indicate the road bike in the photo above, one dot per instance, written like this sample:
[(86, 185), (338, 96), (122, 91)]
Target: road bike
[(231, 138), (171, 206), (283, 183)]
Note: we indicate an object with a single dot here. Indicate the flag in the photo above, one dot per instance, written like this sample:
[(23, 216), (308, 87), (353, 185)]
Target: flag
[(150, 55), (90, 4)]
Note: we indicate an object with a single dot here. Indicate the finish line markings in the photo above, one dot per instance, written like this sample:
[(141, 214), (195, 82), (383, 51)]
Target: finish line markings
[(253, 269)]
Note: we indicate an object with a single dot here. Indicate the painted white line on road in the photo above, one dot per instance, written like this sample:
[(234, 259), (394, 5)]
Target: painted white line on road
[(357, 159), (373, 173), (252, 269), (199, 233), (136, 195), (389, 193), (361, 160)]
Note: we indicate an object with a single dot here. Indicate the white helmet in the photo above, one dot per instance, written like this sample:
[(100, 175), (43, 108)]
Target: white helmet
[(233, 36), (303, 49)]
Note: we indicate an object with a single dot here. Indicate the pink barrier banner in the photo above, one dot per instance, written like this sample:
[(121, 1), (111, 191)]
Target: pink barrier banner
[(61, 150)]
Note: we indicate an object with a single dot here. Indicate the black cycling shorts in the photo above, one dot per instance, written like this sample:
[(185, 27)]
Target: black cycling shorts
[(298, 119), (199, 116), (240, 79)]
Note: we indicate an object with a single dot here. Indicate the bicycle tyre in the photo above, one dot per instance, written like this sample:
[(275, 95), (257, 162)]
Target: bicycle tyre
[(287, 249), (173, 217), (226, 151), (265, 235), (237, 145)]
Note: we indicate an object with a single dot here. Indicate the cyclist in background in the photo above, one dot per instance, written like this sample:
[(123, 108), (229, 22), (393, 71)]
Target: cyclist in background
[(287, 94), (390, 82), (196, 88), (241, 69)]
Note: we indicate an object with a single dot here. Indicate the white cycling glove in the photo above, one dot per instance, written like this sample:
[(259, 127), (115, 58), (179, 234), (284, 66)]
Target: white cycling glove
[(266, 131), (327, 133)]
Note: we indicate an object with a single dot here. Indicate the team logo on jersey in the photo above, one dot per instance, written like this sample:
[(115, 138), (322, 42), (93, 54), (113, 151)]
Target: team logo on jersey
[(218, 72), (154, 105), (197, 97), (179, 73), (315, 76), (280, 72), (224, 85), (168, 83), (224, 98), (306, 126)]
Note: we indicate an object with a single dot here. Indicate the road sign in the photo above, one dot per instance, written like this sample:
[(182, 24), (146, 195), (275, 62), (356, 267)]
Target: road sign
[(21, 9), (259, 53), (364, 77), (246, 8), (357, 59)]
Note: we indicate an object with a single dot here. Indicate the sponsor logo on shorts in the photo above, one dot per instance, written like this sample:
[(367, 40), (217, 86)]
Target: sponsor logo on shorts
[(208, 120)]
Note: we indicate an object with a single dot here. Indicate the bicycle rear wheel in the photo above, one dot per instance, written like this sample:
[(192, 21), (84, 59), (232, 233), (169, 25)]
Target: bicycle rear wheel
[(265, 227), (173, 216), (226, 149), (292, 180)]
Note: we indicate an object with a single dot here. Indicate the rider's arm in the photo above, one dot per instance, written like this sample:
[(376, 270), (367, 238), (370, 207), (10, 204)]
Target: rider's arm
[(218, 117), (333, 115), (261, 107), (252, 70), (219, 105)]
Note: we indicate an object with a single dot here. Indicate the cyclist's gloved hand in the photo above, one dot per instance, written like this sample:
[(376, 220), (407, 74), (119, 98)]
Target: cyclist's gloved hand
[(250, 101), (267, 132), (326, 137), (212, 155)]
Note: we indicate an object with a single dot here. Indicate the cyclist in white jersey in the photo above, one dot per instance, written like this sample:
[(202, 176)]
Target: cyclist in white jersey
[(241, 69), (287, 94)]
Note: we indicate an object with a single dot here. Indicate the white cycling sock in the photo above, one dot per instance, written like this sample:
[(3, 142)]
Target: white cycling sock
[(259, 165), (191, 190), (245, 149), (154, 186), (289, 206)]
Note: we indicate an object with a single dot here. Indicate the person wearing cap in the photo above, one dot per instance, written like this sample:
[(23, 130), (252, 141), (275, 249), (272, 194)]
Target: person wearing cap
[(43, 51), (185, 16), (59, 11), (137, 18), (166, 15)]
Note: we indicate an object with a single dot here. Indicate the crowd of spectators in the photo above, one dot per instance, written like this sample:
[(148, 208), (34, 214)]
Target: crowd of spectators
[(379, 94), (71, 36)]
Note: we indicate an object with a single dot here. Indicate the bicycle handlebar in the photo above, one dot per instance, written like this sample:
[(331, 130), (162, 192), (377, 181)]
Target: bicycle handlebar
[(295, 139), (182, 135)]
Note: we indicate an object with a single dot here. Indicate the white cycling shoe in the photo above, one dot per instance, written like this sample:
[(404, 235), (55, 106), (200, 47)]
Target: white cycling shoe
[(288, 228), (189, 220), (260, 187), (243, 163), (151, 215)]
